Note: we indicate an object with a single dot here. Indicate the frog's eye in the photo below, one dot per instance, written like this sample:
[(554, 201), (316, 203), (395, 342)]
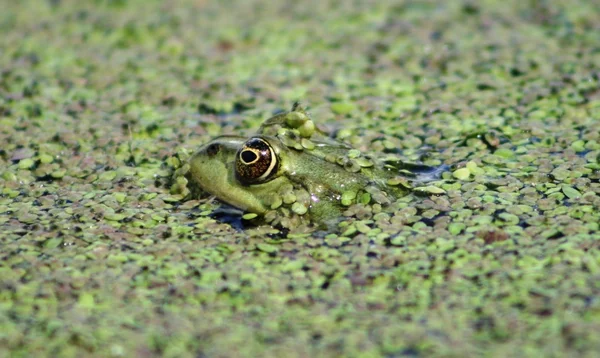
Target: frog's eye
[(255, 162)]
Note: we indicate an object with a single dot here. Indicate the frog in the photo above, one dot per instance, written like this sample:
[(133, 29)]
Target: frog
[(290, 172)]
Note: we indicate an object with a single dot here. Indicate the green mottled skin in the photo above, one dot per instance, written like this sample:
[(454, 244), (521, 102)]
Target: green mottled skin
[(324, 180)]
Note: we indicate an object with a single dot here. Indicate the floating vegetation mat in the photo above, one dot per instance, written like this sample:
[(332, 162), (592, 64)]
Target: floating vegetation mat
[(105, 251)]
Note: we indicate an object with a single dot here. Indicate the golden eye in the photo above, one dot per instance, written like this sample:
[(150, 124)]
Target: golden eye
[(255, 162)]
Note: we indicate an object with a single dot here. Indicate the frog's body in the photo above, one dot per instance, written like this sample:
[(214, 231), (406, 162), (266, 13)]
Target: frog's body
[(290, 169)]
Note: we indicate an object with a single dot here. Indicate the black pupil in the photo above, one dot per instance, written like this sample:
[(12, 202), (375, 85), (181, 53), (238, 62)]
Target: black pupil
[(248, 156)]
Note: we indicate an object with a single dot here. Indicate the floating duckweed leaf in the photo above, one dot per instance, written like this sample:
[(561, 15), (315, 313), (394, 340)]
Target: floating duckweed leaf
[(365, 198), (343, 107), (289, 197), (353, 153), (115, 217), (307, 129), (295, 119), (430, 189), (398, 240), (571, 192), (307, 144), (381, 198), (549, 233), (108, 176), (362, 227), (344, 133), (271, 216), (395, 181), (46, 158), (120, 196), (350, 231), (26, 163), (173, 162), (53, 242), (183, 170), (364, 162), (9, 176), (299, 208), (86, 300), (286, 188), (333, 241), (288, 141), (58, 174), (268, 248), (348, 198), (456, 227), (180, 186), (249, 216), (302, 196), (504, 153), (462, 173), (173, 198), (378, 195), (509, 218), (578, 146), (376, 208), (282, 132), (473, 168), (276, 202)]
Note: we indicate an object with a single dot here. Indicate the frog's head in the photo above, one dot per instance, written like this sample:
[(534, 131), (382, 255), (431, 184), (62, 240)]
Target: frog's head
[(239, 171)]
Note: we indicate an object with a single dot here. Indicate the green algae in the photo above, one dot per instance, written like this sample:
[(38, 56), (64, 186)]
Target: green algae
[(101, 256)]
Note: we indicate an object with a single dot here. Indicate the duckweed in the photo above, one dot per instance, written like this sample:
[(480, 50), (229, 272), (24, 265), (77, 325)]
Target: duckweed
[(103, 253)]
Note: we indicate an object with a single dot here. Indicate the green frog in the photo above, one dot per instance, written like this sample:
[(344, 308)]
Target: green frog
[(290, 172)]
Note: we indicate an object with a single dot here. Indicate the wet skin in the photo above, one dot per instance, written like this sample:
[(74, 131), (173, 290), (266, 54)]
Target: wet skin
[(290, 168)]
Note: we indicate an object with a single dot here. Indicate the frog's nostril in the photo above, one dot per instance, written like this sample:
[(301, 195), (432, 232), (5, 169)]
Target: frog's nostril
[(213, 149)]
